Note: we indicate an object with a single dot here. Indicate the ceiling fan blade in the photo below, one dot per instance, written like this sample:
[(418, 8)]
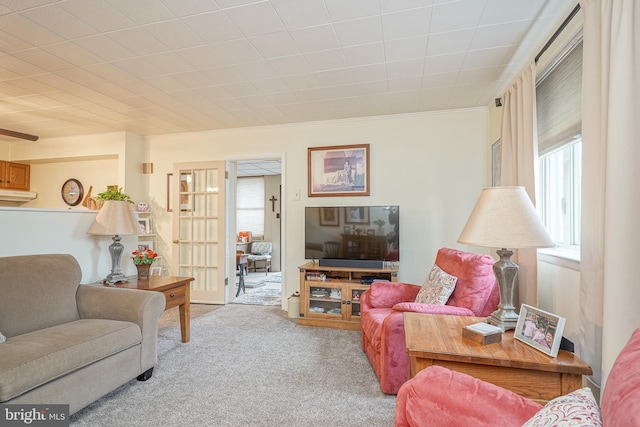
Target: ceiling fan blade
[(20, 135)]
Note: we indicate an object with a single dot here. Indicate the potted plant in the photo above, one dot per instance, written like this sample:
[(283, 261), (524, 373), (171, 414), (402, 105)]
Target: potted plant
[(143, 258), (112, 193)]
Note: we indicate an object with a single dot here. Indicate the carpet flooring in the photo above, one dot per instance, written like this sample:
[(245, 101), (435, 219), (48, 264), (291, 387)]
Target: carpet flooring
[(249, 365), (262, 296)]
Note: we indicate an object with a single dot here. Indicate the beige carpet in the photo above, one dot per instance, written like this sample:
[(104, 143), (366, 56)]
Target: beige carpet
[(249, 365)]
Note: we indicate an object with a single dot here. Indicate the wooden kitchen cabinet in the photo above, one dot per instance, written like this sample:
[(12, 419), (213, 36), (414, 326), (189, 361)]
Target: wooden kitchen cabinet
[(14, 176)]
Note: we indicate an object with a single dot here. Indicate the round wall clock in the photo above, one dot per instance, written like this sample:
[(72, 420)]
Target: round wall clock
[(72, 192)]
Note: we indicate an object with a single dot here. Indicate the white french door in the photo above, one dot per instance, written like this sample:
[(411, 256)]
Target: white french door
[(199, 228)]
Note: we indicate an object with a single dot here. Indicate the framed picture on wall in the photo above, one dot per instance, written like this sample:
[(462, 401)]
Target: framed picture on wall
[(341, 170), (539, 329)]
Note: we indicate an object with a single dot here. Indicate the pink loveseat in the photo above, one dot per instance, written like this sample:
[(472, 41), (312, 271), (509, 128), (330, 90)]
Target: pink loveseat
[(438, 397), (476, 294)]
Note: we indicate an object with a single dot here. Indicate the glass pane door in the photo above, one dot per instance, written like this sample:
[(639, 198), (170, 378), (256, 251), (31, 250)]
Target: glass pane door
[(198, 228)]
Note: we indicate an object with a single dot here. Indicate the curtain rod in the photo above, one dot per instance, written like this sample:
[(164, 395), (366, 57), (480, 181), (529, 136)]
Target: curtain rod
[(558, 31)]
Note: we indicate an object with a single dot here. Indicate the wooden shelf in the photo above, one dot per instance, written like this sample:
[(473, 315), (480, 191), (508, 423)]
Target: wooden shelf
[(341, 312)]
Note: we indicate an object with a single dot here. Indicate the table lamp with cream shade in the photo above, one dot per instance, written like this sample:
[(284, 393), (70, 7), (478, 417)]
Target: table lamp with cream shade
[(504, 217), (116, 218)]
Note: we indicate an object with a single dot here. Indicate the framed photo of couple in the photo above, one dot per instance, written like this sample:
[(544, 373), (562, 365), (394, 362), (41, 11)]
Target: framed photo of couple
[(539, 329)]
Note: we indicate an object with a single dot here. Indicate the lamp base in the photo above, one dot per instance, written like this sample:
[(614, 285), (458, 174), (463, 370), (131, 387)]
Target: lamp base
[(506, 271), (503, 319), (115, 278)]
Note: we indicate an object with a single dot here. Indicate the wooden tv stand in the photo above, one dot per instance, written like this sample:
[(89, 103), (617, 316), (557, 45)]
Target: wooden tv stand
[(330, 296)]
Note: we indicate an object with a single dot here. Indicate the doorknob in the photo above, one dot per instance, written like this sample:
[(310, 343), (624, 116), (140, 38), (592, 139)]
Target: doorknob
[(176, 241)]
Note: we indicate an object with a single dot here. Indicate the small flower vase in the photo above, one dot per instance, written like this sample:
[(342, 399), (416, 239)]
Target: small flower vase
[(143, 270)]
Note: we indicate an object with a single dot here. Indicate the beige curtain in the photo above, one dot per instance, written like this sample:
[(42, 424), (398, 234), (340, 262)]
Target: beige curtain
[(518, 164), (610, 247)]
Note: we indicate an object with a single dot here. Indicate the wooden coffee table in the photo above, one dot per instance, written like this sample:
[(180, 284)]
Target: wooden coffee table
[(176, 291), (437, 340)]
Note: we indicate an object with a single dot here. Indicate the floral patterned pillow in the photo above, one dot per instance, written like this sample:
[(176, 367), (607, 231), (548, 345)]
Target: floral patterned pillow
[(437, 288), (578, 408)]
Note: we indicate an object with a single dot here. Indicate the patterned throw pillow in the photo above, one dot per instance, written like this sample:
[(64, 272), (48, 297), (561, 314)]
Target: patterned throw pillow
[(437, 288), (578, 408)]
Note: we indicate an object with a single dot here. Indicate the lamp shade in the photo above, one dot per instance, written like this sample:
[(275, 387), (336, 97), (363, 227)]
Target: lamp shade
[(504, 217), (115, 218)]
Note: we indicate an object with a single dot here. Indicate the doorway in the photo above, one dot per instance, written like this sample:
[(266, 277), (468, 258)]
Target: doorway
[(255, 201)]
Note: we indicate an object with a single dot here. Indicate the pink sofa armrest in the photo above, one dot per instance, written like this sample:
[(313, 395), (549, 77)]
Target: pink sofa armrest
[(468, 401), (417, 307), (388, 294)]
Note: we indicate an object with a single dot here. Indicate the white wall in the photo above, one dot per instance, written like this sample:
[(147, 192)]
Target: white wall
[(40, 231), (432, 165)]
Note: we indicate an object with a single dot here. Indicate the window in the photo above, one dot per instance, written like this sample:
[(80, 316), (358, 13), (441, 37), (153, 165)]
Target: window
[(250, 205), (559, 116)]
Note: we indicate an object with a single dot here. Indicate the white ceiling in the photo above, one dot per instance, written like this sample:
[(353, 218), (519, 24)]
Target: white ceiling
[(73, 67)]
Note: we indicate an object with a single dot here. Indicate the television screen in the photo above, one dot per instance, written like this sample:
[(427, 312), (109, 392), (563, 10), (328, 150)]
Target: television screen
[(352, 232)]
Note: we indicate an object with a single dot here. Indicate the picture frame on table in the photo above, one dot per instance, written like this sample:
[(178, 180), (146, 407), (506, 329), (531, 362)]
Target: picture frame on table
[(346, 229), (341, 170), (329, 216), (146, 245), (145, 226), (540, 329), (155, 271)]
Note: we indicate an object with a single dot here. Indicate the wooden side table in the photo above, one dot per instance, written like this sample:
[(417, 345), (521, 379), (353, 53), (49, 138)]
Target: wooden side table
[(437, 340), (176, 290)]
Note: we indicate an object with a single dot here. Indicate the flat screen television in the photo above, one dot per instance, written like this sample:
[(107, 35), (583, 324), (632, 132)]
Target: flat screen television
[(352, 233)]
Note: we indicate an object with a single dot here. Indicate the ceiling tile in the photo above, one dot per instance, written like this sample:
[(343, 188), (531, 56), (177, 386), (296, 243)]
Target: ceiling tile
[(143, 11), (255, 19), (364, 54), (457, 15), (256, 70), (408, 23), (312, 39), (387, 6), (202, 57), (59, 21), (325, 60), (275, 44), (401, 49), (138, 40), (343, 10), (299, 14), (214, 27), (237, 51), (184, 8), (290, 65), (447, 43), (359, 31), (104, 47), (174, 34), (97, 14)]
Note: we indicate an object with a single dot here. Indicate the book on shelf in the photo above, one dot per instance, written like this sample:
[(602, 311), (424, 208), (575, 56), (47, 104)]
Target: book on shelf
[(482, 333)]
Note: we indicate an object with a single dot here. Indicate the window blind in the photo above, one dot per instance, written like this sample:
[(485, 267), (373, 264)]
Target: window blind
[(559, 103), (250, 205)]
